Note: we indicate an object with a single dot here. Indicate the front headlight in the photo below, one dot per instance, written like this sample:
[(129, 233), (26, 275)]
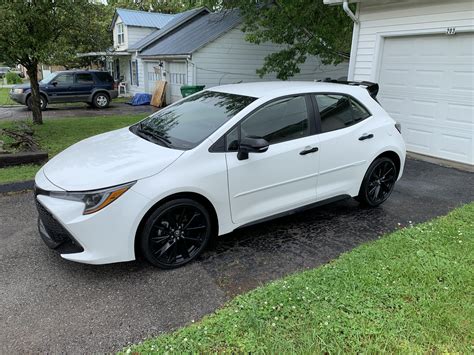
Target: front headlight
[(94, 200), (18, 91)]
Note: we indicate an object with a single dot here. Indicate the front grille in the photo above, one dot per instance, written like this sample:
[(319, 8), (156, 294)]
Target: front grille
[(56, 236)]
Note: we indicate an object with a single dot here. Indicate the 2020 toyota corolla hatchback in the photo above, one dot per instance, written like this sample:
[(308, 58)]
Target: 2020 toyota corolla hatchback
[(213, 162)]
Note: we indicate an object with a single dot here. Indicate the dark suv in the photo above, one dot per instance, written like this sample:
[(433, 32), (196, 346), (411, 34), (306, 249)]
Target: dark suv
[(97, 88)]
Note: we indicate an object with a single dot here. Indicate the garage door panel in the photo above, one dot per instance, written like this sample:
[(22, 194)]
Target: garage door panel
[(461, 113), (455, 146), (427, 84)]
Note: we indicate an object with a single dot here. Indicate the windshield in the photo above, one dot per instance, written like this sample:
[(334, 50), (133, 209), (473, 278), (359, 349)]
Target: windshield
[(48, 78), (188, 123)]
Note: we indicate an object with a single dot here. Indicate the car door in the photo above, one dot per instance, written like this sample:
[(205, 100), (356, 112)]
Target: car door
[(83, 86), (60, 89), (347, 142), (285, 176)]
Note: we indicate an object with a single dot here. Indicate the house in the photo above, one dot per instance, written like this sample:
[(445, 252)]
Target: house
[(195, 47), (421, 52)]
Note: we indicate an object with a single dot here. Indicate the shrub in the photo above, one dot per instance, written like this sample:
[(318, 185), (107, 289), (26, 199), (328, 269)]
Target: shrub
[(13, 78)]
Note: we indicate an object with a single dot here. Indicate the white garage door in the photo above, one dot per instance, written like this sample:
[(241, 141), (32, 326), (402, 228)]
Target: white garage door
[(427, 84), (176, 79)]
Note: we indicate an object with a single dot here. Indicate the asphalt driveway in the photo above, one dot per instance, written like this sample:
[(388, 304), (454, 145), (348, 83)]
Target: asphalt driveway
[(75, 110), (48, 304)]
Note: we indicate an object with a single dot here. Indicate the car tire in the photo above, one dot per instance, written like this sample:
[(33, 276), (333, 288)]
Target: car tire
[(44, 103), (175, 233), (101, 100), (378, 182)]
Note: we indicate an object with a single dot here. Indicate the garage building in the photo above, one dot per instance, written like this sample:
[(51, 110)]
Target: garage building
[(421, 52)]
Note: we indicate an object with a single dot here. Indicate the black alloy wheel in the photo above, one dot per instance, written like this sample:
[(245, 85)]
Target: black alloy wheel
[(176, 233), (378, 182)]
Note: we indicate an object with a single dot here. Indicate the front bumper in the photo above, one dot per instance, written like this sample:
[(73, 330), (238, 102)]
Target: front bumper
[(106, 236), (20, 98)]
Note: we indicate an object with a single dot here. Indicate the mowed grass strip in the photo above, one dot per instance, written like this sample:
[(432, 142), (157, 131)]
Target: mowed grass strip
[(409, 292), (5, 98), (55, 135)]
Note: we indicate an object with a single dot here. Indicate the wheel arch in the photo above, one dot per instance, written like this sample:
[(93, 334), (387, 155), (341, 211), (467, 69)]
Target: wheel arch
[(42, 93), (99, 91), (191, 195), (393, 156)]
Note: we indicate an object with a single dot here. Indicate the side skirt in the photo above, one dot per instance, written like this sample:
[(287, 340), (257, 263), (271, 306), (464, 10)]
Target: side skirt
[(296, 210)]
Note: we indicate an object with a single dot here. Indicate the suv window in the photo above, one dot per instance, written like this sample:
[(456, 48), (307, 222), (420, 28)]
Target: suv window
[(339, 111), (279, 121), (64, 79), (104, 77), (84, 78)]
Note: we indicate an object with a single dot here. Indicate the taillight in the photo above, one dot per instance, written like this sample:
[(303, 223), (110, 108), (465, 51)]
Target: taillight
[(115, 85), (398, 126)]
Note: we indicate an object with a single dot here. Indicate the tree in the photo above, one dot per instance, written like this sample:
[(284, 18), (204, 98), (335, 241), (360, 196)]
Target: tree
[(46, 31), (306, 27)]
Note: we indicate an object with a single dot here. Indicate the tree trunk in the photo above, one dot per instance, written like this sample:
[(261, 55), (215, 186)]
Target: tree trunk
[(32, 71)]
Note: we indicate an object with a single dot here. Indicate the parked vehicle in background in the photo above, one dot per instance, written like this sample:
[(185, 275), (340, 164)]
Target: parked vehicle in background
[(4, 71), (96, 88), (215, 161)]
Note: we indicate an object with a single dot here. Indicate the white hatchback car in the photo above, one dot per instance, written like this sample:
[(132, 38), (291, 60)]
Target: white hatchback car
[(215, 161)]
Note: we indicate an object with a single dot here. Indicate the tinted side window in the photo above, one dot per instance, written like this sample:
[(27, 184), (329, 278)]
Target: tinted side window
[(339, 111), (64, 79), (279, 121), (104, 77), (84, 78)]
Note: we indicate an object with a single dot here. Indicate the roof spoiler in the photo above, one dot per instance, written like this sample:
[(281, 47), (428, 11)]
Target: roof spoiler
[(372, 88)]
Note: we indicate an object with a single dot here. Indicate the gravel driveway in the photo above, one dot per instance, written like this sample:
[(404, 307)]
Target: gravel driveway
[(48, 304)]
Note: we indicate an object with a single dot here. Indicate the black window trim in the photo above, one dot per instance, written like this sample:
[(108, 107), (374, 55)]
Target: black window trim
[(220, 146), (318, 115)]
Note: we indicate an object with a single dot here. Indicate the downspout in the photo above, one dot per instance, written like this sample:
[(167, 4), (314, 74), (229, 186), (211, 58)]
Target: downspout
[(355, 37), (189, 61), (348, 11)]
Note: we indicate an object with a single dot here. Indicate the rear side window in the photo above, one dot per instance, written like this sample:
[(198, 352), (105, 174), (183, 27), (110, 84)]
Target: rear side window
[(84, 78), (339, 111), (104, 77), (279, 121)]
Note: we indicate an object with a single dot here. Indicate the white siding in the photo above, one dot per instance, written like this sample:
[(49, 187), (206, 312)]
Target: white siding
[(231, 59), (135, 34), (132, 35), (422, 16)]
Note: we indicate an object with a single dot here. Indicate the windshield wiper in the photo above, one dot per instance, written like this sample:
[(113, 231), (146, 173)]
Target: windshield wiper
[(154, 135)]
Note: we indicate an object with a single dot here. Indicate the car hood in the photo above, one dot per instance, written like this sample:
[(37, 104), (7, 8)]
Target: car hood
[(106, 160), (22, 86)]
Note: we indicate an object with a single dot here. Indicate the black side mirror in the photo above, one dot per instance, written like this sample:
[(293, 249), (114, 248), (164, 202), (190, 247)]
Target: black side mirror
[(251, 145), (54, 83)]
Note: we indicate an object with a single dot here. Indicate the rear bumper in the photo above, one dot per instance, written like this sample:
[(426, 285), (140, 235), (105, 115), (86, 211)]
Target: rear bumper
[(113, 94)]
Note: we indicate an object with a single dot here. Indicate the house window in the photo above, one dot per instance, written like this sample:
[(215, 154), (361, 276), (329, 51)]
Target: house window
[(120, 34), (134, 72)]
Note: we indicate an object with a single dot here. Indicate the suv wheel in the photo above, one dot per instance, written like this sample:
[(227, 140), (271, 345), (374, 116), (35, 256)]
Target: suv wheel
[(43, 102), (101, 100)]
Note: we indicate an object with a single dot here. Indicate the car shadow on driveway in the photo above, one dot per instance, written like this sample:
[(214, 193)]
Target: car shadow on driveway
[(52, 305)]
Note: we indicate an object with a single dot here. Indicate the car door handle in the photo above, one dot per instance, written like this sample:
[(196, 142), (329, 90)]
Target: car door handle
[(366, 136), (309, 150)]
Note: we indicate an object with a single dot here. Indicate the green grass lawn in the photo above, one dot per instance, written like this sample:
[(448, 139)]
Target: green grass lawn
[(57, 134), (409, 292), (4, 98)]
